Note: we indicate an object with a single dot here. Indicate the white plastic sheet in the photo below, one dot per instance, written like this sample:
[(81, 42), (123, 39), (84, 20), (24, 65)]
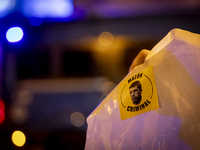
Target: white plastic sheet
[(175, 125)]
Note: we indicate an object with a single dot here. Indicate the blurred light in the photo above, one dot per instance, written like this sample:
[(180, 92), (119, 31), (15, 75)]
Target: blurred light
[(23, 98), (107, 87), (14, 34), (18, 138), (77, 119), (2, 115), (6, 6), (2, 111), (19, 114), (2, 105), (19, 111), (106, 39), (48, 8)]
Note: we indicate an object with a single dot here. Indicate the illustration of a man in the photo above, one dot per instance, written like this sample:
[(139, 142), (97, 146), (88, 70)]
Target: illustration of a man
[(135, 92)]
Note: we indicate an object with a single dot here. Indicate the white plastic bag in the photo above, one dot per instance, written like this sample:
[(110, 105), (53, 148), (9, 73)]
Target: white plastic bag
[(175, 123)]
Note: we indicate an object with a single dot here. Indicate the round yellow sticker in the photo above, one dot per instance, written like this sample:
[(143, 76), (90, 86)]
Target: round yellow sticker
[(138, 94)]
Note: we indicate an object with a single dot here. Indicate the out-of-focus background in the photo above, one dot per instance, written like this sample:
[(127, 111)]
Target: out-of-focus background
[(60, 58)]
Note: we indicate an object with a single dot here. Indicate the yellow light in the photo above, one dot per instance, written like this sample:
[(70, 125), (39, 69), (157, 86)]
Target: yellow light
[(106, 39), (18, 138)]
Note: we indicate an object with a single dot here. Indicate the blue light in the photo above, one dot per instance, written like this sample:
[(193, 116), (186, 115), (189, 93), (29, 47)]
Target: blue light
[(36, 21), (6, 6), (14, 34), (48, 8)]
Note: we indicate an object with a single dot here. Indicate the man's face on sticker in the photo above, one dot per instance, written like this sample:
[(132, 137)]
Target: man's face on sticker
[(135, 94)]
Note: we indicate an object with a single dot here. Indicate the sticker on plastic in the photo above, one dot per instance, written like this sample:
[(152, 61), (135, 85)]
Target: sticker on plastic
[(138, 94)]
